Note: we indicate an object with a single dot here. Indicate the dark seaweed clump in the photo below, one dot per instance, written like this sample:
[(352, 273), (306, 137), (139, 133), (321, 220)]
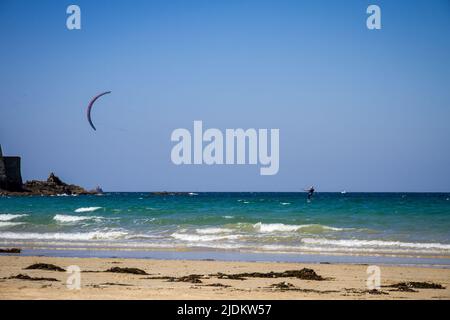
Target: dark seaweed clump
[(408, 286), (282, 285), (12, 250), (45, 266), (376, 292), (192, 278), (26, 277), (304, 274), (127, 270)]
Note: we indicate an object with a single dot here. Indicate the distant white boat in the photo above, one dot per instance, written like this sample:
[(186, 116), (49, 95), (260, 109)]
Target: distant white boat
[(343, 192)]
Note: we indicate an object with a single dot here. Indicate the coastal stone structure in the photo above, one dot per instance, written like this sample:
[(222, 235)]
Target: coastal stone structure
[(10, 175), (11, 182)]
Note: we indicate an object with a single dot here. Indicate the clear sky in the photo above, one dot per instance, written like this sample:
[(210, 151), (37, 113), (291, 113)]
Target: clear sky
[(357, 109)]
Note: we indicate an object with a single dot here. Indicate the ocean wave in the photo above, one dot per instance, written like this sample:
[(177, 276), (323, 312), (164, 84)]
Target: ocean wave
[(144, 221), (87, 209), (352, 243), (141, 237), (274, 227), (8, 216), (202, 238), (213, 230), (69, 219), (83, 236), (9, 224), (227, 217), (281, 227)]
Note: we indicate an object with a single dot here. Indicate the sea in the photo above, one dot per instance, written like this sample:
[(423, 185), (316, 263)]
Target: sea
[(399, 228)]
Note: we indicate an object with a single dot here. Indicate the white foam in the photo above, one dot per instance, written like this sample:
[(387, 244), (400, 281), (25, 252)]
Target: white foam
[(8, 217), (84, 236), (202, 238), (285, 203), (142, 236), (274, 227), (87, 209), (305, 226), (227, 217), (352, 243), (213, 230), (69, 219), (281, 227), (9, 224)]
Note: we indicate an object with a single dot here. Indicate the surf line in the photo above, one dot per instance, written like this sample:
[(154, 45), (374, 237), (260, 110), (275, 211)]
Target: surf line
[(242, 147)]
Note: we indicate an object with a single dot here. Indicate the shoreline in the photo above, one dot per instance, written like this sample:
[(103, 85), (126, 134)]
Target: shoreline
[(202, 254), (205, 279)]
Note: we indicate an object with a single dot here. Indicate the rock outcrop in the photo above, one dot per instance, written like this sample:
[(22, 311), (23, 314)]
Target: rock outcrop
[(11, 182), (53, 186)]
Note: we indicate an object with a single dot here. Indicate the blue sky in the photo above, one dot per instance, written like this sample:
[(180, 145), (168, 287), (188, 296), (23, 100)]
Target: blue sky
[(358, 110)]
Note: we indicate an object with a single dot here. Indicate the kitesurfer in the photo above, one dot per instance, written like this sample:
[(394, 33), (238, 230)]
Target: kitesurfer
[(310, 192)]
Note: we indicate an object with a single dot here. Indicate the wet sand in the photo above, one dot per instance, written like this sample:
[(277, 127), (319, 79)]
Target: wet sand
[(183, 279)]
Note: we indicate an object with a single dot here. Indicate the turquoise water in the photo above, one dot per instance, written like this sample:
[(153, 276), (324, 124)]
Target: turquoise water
[(411, 224)]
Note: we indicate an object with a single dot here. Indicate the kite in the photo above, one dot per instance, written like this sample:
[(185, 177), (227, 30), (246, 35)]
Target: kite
[(89, 108)]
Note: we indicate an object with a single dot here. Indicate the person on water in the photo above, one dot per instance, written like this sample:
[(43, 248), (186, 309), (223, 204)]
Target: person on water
[(310, 192)]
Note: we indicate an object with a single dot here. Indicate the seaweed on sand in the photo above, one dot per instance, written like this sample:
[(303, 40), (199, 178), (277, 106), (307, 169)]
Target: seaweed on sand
[(408, 286), (127, 270), (10, 250), (26, 277), (282, 285), (304, 274), (192, 278), (221, 285), (45, 266)]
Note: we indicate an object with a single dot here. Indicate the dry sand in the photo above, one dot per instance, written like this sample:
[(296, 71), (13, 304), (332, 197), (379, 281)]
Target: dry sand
[(341, 281)]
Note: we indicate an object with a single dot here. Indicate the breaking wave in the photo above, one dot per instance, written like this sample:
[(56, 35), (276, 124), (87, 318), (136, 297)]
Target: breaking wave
[(87, 209), (83, 236), (8, 216), (280, 227), (70, 219), (202, 238), (9, 224), (354, 243), (213, 230)]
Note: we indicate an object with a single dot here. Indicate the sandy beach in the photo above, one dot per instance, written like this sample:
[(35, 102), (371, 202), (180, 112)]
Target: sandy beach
[(182, 279)]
